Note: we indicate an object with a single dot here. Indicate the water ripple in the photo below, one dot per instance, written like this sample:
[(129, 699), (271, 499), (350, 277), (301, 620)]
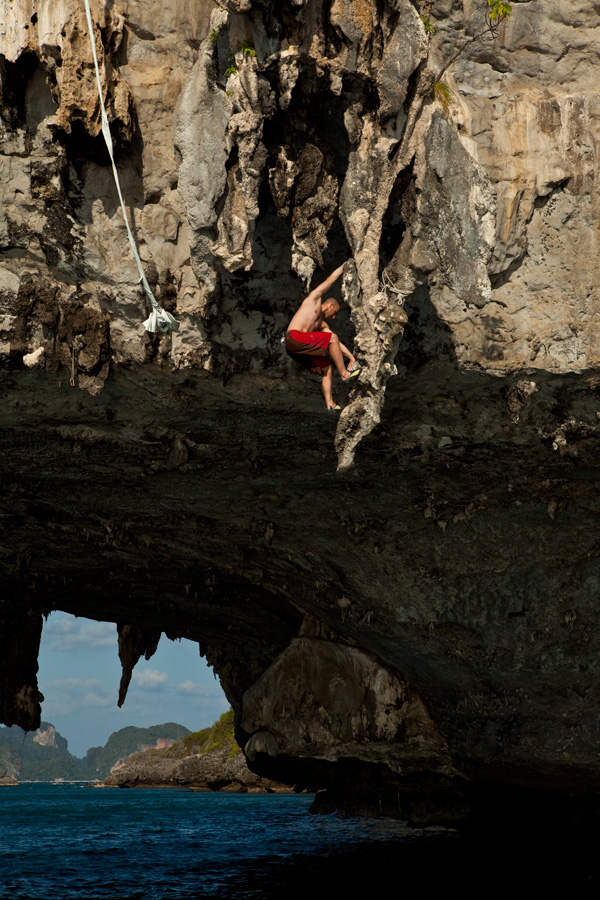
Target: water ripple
[(65, 841)]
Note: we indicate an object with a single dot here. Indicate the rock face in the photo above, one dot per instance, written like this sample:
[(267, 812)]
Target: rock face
[(422, 625), (46, 737)]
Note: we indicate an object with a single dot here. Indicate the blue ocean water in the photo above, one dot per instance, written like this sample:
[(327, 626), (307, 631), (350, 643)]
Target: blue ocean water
[(76, 843)]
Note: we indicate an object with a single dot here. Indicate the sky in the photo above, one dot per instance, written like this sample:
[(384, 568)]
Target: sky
[(79, 674)]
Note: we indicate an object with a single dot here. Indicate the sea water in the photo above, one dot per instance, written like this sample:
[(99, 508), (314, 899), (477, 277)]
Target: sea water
[(76, 843), (71, 841)]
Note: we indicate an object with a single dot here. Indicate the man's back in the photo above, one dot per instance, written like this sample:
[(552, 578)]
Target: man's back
[(308, 316)]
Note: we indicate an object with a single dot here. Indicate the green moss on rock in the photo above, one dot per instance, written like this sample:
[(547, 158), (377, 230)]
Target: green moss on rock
[(220, 736)]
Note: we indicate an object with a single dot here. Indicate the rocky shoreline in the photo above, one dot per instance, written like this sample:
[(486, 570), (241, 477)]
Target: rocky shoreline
[(208, 760), (8, 781), (211, 772)]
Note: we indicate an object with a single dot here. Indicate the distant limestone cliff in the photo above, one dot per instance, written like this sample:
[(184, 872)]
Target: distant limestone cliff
[(43, 755), (100, 761)]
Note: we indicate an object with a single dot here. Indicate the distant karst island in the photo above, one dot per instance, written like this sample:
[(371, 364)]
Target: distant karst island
[(43, 755), (167, 755)]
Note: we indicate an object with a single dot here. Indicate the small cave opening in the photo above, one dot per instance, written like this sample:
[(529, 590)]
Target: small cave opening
[(26, 97), (39, 102), (81, 147), (360, 91), (14, 80), (338, 251), (311, 118), (89, 175), (394, 219)]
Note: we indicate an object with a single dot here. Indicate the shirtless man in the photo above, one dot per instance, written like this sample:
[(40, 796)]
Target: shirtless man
[(309, 338)]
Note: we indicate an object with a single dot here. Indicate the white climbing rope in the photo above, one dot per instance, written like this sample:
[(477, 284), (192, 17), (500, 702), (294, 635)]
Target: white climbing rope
[(159, 318)]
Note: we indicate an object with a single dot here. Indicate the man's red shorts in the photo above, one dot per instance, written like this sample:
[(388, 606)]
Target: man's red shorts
[(301, 346)]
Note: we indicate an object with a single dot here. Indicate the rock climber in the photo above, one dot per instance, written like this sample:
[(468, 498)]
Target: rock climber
[(308, 339)]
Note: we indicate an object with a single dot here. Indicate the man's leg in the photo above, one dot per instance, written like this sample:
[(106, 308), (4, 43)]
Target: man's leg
[(335, 351), (326, 383)]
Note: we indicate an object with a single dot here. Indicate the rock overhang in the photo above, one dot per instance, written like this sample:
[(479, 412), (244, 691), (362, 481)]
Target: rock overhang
[(459, 557)]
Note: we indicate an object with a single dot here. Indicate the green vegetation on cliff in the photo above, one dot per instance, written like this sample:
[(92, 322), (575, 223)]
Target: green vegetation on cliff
[(220, 735)]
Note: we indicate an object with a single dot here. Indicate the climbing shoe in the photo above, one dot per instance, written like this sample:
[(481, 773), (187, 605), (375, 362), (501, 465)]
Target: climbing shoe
[(352, 376)]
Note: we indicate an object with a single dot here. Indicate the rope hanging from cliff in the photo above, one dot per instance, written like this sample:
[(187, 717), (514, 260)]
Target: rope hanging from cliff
[(159, 318)]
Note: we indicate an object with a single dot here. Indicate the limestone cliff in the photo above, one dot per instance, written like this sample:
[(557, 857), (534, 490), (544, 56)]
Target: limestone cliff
[(421, 625)]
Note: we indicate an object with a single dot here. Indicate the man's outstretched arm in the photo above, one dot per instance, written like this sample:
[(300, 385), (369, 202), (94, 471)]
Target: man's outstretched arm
[(318, 292)]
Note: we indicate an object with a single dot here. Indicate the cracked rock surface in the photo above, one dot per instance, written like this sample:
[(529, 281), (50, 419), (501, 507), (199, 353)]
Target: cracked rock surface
[(401, 605)]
